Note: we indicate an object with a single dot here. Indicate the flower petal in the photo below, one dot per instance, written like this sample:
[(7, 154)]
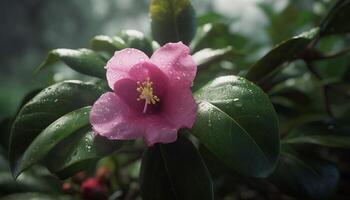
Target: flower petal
[(119, 65), (125, 89), (179, 107), (175, 60), (112, 118), (158, 130)]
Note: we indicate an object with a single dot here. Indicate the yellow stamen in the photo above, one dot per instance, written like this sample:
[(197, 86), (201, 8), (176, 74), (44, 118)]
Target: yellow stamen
[(146, 93)]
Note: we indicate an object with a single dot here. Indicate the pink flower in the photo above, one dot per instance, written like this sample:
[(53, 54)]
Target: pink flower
[(152, 97)]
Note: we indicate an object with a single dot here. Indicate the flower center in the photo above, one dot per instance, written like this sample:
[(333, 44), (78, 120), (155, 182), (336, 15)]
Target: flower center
[(146, 93)]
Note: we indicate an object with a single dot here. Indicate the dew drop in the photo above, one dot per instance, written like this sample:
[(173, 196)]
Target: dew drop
[(89, 148), (209, 122)]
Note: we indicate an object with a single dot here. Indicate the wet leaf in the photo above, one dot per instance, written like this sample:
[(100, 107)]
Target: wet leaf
[(283, 52), (136, 39), (175, 171), (84, 61), (209, 56), (79, 151), (46, 107), (51, 136), (237, 123), (107, 44)]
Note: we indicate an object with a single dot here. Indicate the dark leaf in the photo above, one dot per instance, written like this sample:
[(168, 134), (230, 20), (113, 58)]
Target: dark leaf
[(337, 20), (45, 108), (283, 52), (175, 171), (27, 182), (36, 196), (51, 136), (79, 151), (305, 178), (320, 133), (237, 122)]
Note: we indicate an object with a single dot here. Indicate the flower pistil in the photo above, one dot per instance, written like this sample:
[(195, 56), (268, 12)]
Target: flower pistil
[(146, 93)]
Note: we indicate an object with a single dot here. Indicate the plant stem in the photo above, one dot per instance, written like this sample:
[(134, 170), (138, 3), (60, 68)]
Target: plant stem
[(325, 88)]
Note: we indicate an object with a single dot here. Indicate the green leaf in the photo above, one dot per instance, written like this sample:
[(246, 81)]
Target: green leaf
[(175, 171), (79, 151), (217, 36), (84, 61), (305, 178), (172, 21), (27, 182), (337, 141), (337, 20), (209, 56), (51, 136), (283, 52), (45, 108), (36, 196), (237, 122), (107, 44), (136, 39), (320, 133)]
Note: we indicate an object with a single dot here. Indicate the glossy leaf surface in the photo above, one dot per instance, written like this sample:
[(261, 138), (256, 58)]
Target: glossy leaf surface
[(46, 107), (283, 52), (175, 171), (237, 122), (84, 61)]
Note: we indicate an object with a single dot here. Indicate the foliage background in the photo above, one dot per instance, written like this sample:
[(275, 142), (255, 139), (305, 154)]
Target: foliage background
[(34, 27)]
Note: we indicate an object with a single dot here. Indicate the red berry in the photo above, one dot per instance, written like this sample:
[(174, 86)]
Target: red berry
[(68, 188), (92, 189)]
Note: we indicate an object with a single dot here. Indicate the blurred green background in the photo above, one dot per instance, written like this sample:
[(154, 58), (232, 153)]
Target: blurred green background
[(30, 28)]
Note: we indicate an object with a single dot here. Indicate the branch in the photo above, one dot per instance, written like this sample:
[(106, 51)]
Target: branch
[(325, 88), (313, 54)]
